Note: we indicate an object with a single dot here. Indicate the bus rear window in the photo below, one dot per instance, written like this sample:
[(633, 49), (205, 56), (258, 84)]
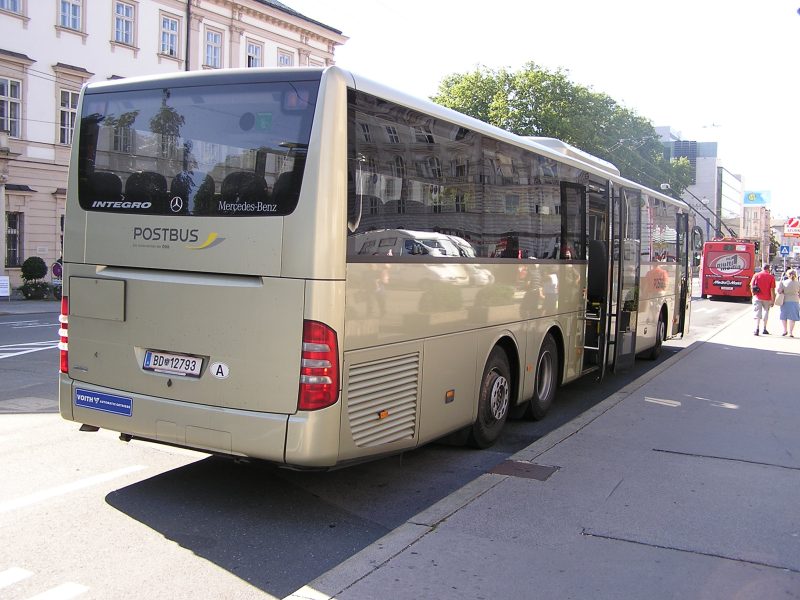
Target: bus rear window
[(233, 150)]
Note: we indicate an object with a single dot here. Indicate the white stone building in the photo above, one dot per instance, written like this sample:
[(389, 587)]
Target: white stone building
[(50, 48)]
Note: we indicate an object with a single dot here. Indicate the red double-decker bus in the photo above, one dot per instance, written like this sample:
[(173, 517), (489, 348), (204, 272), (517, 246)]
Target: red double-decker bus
[(727, 268)]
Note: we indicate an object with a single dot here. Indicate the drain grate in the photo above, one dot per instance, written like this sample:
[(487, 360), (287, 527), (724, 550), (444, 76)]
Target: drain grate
[(525, 470)]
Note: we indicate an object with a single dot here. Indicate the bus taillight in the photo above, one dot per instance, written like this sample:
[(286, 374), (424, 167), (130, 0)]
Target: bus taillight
[(63, 334), (319, 367)]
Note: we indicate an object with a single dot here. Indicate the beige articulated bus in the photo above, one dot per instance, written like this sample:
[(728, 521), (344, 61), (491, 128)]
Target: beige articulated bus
[(218, 293)]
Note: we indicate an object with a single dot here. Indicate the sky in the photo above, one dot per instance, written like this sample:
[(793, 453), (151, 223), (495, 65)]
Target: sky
[(725, 71)]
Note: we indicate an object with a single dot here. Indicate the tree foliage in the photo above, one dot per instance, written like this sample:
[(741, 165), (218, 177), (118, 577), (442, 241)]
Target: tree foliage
[(33, 269), (534, 101)]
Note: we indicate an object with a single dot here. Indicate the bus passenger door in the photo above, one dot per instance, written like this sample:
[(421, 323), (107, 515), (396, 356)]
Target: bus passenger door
[(595, 341), (625, 257), (681, 323)]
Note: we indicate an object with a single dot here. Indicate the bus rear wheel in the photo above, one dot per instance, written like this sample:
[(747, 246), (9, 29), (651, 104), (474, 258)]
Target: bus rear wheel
[(546, 383), (493, 402), (661, 330)]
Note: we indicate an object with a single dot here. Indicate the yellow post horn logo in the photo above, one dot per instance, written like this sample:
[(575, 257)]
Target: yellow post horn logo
[(212, 240)]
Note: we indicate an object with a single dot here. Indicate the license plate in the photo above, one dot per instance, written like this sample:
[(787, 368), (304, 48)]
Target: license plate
[(174, 364)]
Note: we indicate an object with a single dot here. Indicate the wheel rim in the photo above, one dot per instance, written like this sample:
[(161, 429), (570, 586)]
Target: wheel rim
[(544, 376), (499, 397)]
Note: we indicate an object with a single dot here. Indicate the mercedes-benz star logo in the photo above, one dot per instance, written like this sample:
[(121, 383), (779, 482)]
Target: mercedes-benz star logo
[(176, 204)]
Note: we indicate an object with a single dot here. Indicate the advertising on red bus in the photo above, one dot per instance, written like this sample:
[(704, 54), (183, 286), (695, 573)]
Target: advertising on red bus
[(728, 265)]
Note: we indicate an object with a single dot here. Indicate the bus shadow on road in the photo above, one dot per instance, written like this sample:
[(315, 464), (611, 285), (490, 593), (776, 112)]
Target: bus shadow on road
[(278, 529)]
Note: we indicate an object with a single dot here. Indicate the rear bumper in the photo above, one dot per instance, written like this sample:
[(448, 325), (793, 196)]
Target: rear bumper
[(214, 429)]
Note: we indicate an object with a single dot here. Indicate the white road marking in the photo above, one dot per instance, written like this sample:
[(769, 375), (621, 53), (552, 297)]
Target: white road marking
[(19, 349), (12, 576), (67, 488), (65, 591), (663, 402)]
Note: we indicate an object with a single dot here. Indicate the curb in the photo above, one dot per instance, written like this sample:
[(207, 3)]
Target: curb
[(360, 565)]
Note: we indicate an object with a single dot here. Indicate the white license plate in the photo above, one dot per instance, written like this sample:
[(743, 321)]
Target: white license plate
[(175, 364)]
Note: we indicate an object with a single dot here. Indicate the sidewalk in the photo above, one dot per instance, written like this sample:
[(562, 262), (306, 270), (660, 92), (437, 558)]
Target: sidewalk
[(28, 307), (685, 484)]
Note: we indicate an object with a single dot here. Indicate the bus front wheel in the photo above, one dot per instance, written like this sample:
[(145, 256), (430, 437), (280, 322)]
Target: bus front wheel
[(494, 400)]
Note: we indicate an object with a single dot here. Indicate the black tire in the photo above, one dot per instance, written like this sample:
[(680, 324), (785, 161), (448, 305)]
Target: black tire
[(494, 400), (546, 379), (661, 329)]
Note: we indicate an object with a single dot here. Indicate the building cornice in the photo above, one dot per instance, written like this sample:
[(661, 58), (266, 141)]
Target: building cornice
[(281, 18), (17, 57)]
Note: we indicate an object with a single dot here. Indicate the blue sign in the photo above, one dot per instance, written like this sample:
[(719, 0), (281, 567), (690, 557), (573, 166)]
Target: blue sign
[(761, 198), (784, 250), (119, 405)]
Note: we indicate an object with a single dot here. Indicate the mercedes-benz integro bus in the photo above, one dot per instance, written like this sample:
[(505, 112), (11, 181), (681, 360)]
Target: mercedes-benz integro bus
[(215, 297)]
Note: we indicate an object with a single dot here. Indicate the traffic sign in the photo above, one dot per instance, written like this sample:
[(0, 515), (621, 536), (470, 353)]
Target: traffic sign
[(784, 250)]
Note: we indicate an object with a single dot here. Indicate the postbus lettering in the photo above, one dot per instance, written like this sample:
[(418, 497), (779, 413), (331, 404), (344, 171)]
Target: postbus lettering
[(165, 234)]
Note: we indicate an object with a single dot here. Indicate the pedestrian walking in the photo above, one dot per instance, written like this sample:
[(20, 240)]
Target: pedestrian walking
[(790, 309), (762, 286)]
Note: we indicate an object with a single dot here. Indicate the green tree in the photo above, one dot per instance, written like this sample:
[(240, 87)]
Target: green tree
[(534, 101), (774, 244), (33, 272)]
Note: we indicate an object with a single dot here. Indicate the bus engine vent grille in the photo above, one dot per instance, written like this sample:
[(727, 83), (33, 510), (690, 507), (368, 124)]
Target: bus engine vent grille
[(382, 400)]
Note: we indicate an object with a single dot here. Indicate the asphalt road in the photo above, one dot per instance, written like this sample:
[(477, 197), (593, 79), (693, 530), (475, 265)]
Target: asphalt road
[(88, 511)]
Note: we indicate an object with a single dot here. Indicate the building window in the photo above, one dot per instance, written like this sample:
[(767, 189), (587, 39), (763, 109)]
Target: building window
[(70, 14), (169, 36), (123, 139), (13, 239), (423, 134), (399, 167), (460, 204), (67, 115), (255, 51), (365, 132), (391, 131), (123, 23), (168, 148), (11, 6), (435, 167), (285, 58), (213, 49), (436, 201), (10, 106)]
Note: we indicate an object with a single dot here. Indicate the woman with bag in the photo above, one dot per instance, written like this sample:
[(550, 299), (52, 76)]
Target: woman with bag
[(789, 300)]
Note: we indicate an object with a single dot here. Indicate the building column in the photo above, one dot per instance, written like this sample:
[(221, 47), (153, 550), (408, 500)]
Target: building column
[(235, 46), (194, 59)]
